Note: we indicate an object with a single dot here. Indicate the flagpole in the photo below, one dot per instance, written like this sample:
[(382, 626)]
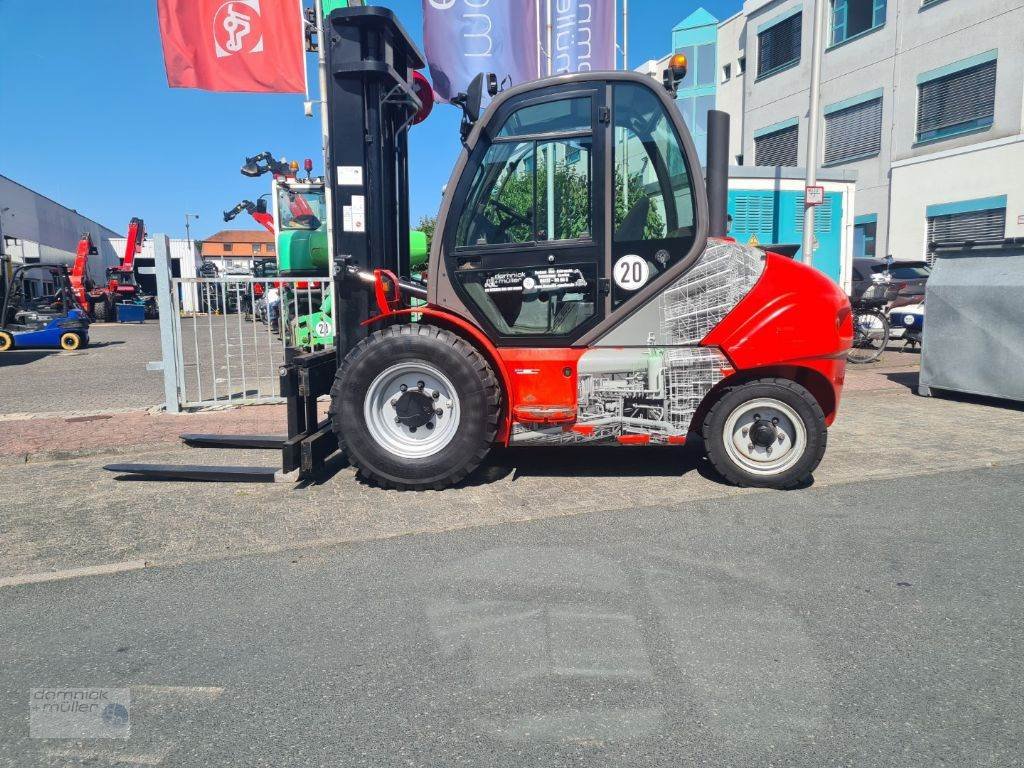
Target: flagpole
[(305, 63), (551, 234), (540, 69), (625, 35), (325, 126)]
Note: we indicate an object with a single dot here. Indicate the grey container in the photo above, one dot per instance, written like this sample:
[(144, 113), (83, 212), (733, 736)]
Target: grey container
[(974, 321)]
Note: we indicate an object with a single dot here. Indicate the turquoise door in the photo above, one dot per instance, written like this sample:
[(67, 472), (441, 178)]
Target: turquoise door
[(778, 217)]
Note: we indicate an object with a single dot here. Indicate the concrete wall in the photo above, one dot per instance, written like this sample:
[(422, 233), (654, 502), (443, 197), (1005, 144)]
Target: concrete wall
[(36, 227), (965, 173)]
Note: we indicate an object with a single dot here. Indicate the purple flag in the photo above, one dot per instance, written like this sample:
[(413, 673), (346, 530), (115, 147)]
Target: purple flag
[(466, 37), (583, 35)]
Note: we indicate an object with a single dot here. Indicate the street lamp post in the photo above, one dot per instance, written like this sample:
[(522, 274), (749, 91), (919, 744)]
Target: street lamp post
[(188, 230), (813, 124)]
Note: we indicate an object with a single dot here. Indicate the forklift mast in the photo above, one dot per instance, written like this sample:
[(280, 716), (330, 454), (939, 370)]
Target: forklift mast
[(132, 246), (370, 96), (79, 277)]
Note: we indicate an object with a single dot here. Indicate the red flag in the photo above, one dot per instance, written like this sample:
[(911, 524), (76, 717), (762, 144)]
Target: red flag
[(234, 45)]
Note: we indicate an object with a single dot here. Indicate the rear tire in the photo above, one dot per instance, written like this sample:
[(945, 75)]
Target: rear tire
[(6, 341), (70, 342), (767, 433), (387, 424)]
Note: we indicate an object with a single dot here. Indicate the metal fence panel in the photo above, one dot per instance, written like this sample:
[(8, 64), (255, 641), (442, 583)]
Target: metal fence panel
[(229, 350)]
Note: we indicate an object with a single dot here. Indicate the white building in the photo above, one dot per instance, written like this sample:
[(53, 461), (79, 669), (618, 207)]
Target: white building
[(924, 99)]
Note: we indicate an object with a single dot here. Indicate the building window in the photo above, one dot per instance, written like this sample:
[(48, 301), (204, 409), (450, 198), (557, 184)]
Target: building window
[(777, 145), (957, 99), (851, 18), (257, 247), (702, 63), (229, 246), (970, 220), (865, 235), (739, 159), (853, 129), (741, 65), (726, 73), (778, 46)]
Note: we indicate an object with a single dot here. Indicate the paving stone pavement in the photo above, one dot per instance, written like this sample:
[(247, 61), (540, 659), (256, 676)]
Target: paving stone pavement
[(65, 514)]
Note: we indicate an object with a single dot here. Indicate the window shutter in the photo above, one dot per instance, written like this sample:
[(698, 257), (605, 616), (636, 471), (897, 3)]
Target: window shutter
[(779, 45), (956, 100), (822, 216), (958, 227), (853, 132), (779, 148)]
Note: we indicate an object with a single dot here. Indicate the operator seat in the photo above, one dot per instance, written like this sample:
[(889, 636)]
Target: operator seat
[(632, 227)]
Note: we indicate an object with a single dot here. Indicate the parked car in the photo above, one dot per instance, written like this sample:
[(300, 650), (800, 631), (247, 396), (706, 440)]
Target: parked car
[(907, 279)]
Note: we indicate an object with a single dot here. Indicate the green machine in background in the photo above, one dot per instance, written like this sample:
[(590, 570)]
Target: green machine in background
[(330, 5), (316, 330)]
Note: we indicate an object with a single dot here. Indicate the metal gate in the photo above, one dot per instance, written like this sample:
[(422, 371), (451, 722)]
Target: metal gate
[(224, 338)]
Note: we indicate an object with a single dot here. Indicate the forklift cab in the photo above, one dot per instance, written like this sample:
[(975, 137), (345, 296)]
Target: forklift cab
[(576, 199), (51, 321)]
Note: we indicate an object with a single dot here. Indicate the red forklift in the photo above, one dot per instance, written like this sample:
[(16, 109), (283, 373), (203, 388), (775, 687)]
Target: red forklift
[(581, 290), (122, 286)]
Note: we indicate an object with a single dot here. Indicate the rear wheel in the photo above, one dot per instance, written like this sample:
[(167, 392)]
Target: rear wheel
[(415, 407), (69, 342), (768, 433), (871, 332), (6, 341)]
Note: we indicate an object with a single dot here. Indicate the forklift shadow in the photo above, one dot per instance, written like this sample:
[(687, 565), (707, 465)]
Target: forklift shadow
[(573, 461), (599, 461), (25, 356), (102, 344)]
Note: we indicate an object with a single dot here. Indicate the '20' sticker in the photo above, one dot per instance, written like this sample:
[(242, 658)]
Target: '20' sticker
[(631, 272)]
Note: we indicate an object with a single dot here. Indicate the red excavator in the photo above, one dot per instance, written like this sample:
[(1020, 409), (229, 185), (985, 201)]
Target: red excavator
[(122, 287)]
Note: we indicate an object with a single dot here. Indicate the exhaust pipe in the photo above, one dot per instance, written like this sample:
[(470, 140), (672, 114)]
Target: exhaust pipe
[(718, 173)]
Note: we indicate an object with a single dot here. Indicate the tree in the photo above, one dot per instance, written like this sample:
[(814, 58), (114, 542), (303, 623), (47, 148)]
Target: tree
[(426, 225)]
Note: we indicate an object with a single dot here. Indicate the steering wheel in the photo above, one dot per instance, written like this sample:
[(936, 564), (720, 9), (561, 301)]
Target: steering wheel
[(512, 214)]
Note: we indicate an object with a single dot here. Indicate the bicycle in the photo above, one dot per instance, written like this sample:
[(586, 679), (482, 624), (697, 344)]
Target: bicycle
[(871, 329)]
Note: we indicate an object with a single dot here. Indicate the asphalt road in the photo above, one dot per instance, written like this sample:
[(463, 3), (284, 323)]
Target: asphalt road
[(872, 623), (110, 374)]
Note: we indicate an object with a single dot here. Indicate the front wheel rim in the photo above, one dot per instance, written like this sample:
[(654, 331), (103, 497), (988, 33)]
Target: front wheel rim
[(381, 413), (750, 424)]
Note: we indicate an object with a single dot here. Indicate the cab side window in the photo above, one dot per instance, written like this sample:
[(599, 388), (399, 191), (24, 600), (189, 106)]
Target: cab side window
[(653, 189), (535, 182)]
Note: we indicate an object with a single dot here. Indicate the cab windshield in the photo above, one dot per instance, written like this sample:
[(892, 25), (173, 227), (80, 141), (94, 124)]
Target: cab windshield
[(302, 210)]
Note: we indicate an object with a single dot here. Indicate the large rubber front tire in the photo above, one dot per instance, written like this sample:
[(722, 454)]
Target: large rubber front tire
[(101, 310), (767, 433), (437, 368), (6, 341)]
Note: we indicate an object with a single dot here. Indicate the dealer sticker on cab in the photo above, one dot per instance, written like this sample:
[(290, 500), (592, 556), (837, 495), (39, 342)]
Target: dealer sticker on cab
[(631, 272)]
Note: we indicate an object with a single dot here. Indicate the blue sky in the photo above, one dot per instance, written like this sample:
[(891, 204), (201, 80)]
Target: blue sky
[(88, 118)]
